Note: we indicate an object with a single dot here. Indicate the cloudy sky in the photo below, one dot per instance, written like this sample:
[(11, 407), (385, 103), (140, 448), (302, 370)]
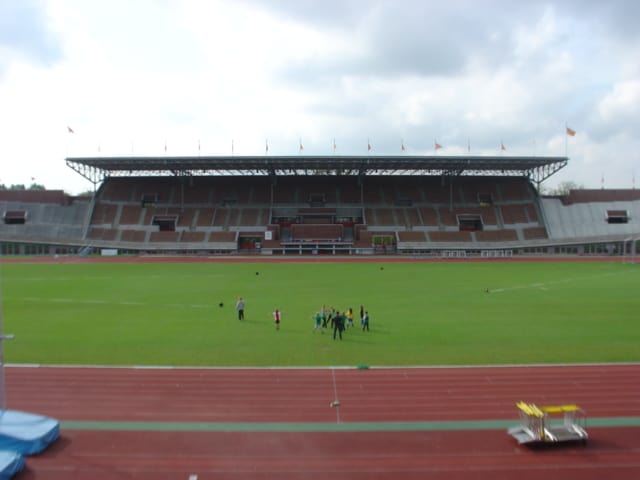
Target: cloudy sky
[(205, 76)]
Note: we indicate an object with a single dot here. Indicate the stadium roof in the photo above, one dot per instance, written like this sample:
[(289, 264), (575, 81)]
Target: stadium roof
[(95, 169)]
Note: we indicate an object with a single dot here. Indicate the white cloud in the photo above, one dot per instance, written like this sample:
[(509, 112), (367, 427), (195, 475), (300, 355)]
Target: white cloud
[(130, 76), (622, 104)]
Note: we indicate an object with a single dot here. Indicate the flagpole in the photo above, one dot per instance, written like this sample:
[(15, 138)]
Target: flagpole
[(566, 139)]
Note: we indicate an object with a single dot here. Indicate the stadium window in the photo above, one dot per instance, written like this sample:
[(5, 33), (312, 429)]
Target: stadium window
[(469, 223), (165, 223), (15, 217), (617, 216)]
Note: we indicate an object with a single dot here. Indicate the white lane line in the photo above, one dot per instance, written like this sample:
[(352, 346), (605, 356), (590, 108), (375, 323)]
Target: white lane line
[(335, 395)]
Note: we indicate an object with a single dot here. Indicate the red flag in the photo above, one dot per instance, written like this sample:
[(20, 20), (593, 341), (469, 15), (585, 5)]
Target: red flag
[(571, 132), (368, 146), (437, 146)]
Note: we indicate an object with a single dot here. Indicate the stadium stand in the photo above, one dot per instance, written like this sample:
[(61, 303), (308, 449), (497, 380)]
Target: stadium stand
[(277, 209)]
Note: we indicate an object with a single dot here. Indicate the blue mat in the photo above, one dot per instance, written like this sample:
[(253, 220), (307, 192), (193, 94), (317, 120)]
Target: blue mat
[(11, 463), (26, 433)]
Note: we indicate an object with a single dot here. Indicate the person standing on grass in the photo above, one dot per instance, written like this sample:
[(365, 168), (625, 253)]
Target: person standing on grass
[(350, 317), (365, 321), (361, 315), (240, 308), (317, 322), (338, 325), (330, 320), (276, 318)]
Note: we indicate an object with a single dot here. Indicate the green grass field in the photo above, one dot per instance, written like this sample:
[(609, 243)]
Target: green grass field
[(425, 313)]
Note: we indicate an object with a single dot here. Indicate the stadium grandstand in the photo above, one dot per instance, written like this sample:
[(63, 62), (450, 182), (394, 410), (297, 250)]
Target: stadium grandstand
[(451, 206)]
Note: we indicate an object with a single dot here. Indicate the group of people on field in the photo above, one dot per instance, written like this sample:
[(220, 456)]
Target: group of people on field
[(339, 321), (325, 318)]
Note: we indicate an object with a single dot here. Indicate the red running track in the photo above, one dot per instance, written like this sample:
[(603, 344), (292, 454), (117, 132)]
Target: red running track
[(303, 395)]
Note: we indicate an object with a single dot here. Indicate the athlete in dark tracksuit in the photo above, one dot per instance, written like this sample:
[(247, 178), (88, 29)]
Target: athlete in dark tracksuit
[(338, 325)]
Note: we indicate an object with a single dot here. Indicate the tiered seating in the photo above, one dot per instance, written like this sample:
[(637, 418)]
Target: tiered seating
[(349, 194), (186, 217), (220, 217), (160, 187), (117, 190), (411, 236), (193, 237), (532, 213), (514, 213), (502, 235), (205, 217), (477, 188), (388, 194), (170, 237), (414, 209), (436, 193), (406, 191), (447, 217), (381, 216), (443, 236), (410, 215), (99, 233), (316, 188), (261, 193), (133, 236), (372, 194), (301, 231), (233, 217), (534, 233), (130, 215), (224, 236), (104, 214), (150, 213), (250, 216), (200, 194), (364, 238), (285, 192), (429, 216), (515, 189)]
